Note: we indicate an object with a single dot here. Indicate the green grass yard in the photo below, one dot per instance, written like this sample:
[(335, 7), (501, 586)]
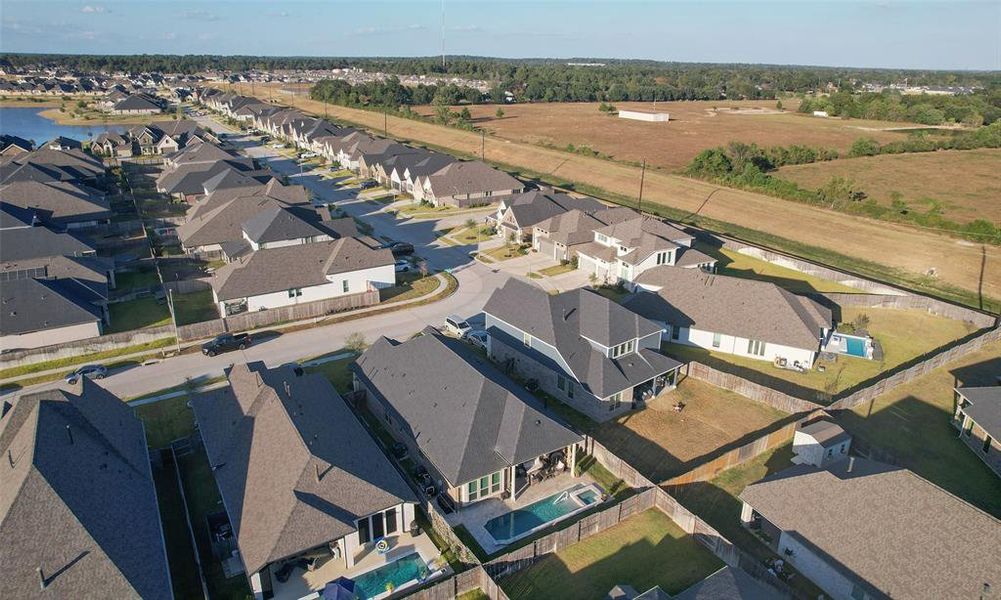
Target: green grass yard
[(645, 550), (337, 372), (166, 420), (136, 314), (195, 307), (904, 334), (72, 361), (472, 235), (409, 286), (735, 264), (136, 279), (557, 270)]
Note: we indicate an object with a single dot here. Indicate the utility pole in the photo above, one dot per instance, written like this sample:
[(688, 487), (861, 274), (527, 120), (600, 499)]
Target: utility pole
[(642, 176), (173, 317), (483, 144), (385, 122), (443, 35)]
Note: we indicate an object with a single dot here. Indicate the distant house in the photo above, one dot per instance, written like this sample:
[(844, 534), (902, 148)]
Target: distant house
[(820, 442), (463, 184), (79, 516), (137, 104), (63, 143), (287, 275), (517, 215), (59, 203), (113, 145), (301, 481), (579, 346), (754, 319), (978, 417), (11, 145), (477, 431), (861, 529)]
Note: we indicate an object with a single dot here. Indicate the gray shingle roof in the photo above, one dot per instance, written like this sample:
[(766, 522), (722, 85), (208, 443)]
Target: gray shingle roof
[(984, 408), (57, 201), (757, 310), (826, 432), (277, 224), (137, 102), (565, 320), (267, 271), (529, 208), (29, 305), (471, 177), (294, 466), (729, 583), (23, 243), (466, 417), (901, 534), (79, 500)]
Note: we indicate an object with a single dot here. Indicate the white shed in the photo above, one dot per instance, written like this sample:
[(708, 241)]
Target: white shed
[(645, 115), (820, 443)]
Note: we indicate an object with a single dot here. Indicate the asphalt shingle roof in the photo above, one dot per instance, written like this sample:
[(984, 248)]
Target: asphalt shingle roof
[(984, 408), (29, 305)]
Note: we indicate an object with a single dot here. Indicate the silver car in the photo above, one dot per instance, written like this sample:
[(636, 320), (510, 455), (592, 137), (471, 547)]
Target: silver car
[(478, 338), (92, 371)]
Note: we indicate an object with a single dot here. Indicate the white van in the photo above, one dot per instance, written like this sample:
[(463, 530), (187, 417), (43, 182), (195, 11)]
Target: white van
[(457, 326)]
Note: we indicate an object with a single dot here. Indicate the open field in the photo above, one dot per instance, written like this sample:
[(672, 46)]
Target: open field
[(871, 247), (962, 184), (643, 551), (912, 424), (904, 335), (694, 126)]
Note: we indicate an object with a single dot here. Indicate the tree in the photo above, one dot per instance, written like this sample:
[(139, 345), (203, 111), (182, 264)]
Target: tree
[(778, 104), (464, 115), (470, 223), (500, 113), (355, 342), (712, 162), (864, 146)]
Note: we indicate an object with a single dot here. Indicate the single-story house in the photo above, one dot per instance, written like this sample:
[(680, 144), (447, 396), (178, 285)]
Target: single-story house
[(478, 433), (753, 319), (594, 354), (861, 529), (79, 516), (43, 311), (978, 417), (299, 476), (136, 104), (59, 203), (466, 183), (287, 275)]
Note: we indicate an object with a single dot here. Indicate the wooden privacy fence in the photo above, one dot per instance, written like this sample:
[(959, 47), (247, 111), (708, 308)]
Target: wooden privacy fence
[(102, 343), (931, 306), (749, 389), (459, 584), (707, 471)]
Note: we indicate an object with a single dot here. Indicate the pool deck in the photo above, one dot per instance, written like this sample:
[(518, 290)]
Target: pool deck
[(309, 584), (474, 517)]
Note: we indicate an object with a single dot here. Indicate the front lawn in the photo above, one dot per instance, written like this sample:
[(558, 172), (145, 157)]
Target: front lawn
[(911, 422), (645, 550), (136, 314), (195, 307), (557, 269), (409, 286), (472, 235), (904, 335), (505, 252)]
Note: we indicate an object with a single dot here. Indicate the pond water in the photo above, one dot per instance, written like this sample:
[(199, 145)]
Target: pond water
[(27, 123)]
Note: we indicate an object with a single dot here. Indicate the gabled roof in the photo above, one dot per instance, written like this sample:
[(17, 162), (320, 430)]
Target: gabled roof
[(567, 321), (530, 208), (16, 217), (984, 407), (466, 417), (25, 243), (756, 310), (78, 501), (28, 305), (278, 224), (729, 583), (902, 535), (227, 221), (137, 102), (470, 177), (632, 232), (294, 466), (268, 270), (57, 201)]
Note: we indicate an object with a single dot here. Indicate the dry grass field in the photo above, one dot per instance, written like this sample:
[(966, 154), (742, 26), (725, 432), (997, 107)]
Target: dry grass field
[(955, 262), (694, 126), (963, 184)]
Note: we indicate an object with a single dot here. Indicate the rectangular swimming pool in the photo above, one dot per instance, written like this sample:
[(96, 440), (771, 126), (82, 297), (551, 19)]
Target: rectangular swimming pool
[(520, 522), (407, 569), (856, 346)]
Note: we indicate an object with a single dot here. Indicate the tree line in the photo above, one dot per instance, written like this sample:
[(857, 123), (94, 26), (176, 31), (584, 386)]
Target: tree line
[(981, 108)]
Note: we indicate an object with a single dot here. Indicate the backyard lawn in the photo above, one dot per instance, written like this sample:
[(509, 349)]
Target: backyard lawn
[(337, 372), (195, 307), (645, 550), (136, 279), (903, 334), (662, 443), (912, 424), (166, 420), (136, 314), (735, 264)]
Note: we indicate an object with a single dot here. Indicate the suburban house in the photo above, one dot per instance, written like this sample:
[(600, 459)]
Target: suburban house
[(79, 516), (517, 215), (477, 432), (307, 491), (11, 145), (61, 142), (729, 583), (43, 311), (591, 353), (861, 529), (137, 104), (463, 184), (59, 203), (749, 318), (622, 251), (47, 165), (978, 417), (114, 145), (167, 137), (820, 442), (408, 171), (190, 172), (288, 275), (562, 235)]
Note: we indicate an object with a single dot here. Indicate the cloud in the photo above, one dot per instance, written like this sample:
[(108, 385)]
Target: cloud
[(199, 15), (94, 9), (465, 28), (169, 35), (388, 30), (280, 14)]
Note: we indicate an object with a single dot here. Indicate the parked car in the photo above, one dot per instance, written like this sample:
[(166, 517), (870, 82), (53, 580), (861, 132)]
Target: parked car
[(226, 343), (403, 266), (367, 184), (92, 371), (457, 326), (400, 248), (477, 338)]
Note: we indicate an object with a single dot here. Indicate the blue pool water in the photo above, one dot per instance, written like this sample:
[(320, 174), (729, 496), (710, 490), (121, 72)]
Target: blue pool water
[(516, 523), (409, 568), (856, 346)]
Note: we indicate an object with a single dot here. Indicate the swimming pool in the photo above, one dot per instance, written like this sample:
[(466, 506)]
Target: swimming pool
[(856, 346), (522, 521), (406, 570)]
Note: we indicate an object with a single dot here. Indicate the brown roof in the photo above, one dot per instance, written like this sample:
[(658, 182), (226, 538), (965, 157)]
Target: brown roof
[(894, 530), (471, 177), (757, 310)]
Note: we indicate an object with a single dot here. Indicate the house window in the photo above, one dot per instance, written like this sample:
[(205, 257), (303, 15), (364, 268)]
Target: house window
[(345, 285), (968, 430), (614, 401), (561, 383), (755, 347), (675, 332), (717, 339), (602, 239), (570, 387), (295, 292), (364, 533), (483, 487), (526, 338), (378, 526), (624, 348), (987, 444), (662, 258)]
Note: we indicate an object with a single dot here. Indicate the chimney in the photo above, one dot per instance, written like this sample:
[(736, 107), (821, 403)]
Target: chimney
[(41, 579), (69, 434)]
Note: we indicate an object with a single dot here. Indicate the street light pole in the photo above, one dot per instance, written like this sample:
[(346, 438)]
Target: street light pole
[(173, 318), (642, 176), (483, 144), (385, 122)]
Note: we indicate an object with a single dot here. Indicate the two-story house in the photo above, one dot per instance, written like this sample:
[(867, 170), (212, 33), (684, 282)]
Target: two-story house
[(581, 347)]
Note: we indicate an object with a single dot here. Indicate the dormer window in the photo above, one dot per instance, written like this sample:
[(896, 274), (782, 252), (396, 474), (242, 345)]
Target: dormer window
[(601, 238), (623, 349)]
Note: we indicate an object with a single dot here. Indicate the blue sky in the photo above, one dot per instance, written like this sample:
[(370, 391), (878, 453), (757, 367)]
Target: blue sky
[(866, 33)]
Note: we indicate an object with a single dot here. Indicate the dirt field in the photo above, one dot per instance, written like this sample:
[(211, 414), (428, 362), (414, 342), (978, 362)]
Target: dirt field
[(927, 180), (694, 126), (955, 262)]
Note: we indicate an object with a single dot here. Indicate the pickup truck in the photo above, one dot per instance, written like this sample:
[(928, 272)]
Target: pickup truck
[(225, 343)]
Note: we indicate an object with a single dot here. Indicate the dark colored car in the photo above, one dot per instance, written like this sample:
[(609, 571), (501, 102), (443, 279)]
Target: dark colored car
[(226, 343), (92, 371), (400, 248), (367, 184)]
